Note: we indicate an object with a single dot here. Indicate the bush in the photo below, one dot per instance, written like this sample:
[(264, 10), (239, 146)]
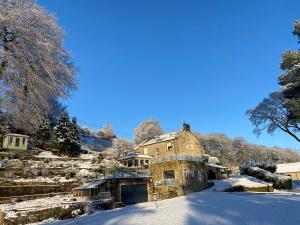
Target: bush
[(279, 181)]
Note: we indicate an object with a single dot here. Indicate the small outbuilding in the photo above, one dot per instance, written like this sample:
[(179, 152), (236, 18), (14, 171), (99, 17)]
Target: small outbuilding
[(217, 172), (15, 141), (289, 169), (91, 191)]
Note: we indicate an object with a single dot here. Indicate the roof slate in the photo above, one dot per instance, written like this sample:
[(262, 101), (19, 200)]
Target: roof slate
[(164, 137)]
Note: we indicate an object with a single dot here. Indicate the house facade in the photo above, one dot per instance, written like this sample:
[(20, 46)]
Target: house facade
[(177, 166)]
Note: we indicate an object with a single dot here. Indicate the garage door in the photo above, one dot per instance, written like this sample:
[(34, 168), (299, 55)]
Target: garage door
[(132, 194)]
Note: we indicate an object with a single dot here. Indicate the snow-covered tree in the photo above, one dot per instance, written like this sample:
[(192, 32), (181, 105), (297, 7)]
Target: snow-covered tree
[(272, 114), (66, 135), (281, 110), (290, 79), (34, 67), (43, 133), (107, 131), (121, 147), (146, 130), (75, 136)]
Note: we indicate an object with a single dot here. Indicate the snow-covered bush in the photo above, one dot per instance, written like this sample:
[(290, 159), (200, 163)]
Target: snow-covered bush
[(86, 174), (279, 181)]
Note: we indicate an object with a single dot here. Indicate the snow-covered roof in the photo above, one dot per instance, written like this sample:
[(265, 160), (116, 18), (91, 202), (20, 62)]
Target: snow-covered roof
[(217, 166), (164, 137), (288, 167), (93, 184), (16, 135), (136, 155)]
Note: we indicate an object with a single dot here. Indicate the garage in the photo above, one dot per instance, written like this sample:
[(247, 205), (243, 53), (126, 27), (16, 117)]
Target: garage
[(132, 194)]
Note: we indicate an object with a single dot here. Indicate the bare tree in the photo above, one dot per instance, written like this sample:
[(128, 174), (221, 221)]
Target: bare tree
[(146, 130), (121, 147), (34, 67), (271, 114), (107, 131)]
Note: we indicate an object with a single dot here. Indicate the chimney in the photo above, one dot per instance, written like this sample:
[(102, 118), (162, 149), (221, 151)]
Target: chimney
[(186, 127)]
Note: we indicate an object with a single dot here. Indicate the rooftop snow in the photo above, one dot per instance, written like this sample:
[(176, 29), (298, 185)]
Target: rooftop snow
[(288, 167), (136, 155), (217, 166), (164, 137), (90, 185)]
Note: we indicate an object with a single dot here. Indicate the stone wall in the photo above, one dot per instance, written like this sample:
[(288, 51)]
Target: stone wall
[(43, 214), (34, 189)]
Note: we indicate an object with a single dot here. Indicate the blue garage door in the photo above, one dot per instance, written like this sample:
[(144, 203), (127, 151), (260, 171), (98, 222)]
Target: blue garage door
[(132, 194)]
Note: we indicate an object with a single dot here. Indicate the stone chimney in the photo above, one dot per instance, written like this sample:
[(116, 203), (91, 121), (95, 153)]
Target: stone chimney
[(186, 127)]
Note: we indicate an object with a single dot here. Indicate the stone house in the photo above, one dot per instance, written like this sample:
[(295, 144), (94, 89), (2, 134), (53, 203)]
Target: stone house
[(167, 166), (177, 166)]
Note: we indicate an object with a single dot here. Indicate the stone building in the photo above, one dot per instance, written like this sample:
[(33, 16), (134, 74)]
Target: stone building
[(177, 166), (167, 166)]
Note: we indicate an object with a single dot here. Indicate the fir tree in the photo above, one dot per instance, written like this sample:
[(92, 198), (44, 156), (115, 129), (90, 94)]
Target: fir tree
[(43, 133), (62, 133), (66, 135), (75, 136)]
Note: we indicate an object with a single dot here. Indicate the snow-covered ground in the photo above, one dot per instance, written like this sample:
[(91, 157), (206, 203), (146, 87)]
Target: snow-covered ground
[(12, 210), (204, 208), (237, 180)]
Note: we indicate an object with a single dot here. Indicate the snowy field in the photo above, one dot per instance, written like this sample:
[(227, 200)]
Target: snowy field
[(209, 208)]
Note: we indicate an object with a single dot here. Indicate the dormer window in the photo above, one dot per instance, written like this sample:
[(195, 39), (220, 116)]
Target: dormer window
[(169, 146)]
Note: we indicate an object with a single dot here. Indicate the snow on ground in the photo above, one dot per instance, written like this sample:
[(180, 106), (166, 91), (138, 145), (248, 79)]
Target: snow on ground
[(47, 154), (40, 179), (237, 180), (203, 208), (90, 142), (11, 210)]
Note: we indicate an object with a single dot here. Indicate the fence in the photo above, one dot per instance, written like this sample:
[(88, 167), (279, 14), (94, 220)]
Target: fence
[(177, 157), (166, 182), (128, 174)]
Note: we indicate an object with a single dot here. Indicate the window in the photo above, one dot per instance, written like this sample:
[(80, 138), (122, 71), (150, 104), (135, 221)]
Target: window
[(169, 174), (24, 140), (136, 162), (142, 162), (129, 163), (157, 152), (10, 140), (17, 142), (169, 146), (145, 151)]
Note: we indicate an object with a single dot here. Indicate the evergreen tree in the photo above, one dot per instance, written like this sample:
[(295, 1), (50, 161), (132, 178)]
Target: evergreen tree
[(290, 79), (43, 133), (62, 133), (75, 136)]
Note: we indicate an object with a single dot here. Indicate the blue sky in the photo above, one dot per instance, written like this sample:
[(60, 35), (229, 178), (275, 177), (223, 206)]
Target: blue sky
[(203, 62)]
